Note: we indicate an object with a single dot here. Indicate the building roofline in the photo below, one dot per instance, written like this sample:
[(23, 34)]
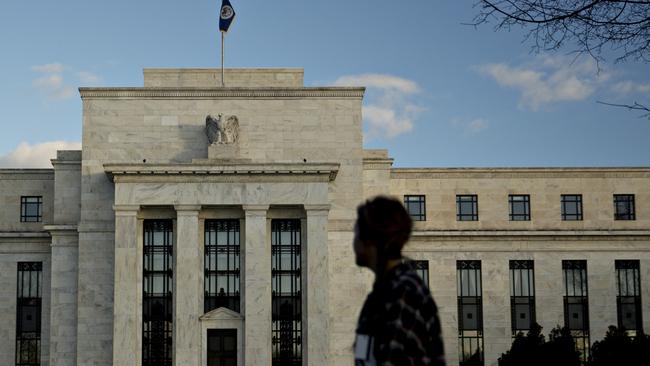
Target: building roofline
[(519, 169), (227, 92), (26, 171)]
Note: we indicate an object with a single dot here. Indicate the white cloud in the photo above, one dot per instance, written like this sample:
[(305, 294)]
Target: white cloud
[(49, 68), (470, 127), (476, 126), (379, 81), (390, 111), (52, 82), (37, 155), (629, 87), (548, 80), (88, 77)]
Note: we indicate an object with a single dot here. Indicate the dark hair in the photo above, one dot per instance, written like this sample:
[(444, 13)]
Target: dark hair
[(385, 221)]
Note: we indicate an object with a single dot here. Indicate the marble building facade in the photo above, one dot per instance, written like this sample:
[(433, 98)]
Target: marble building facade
[(125, 232)]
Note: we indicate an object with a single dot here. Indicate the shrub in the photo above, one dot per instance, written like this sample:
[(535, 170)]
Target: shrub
[(533, 350)]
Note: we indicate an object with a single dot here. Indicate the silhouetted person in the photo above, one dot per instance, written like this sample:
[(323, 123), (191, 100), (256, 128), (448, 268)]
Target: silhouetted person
[(399, 323)]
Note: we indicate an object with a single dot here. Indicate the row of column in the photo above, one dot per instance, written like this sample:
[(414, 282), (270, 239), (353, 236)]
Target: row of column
[(187, 290)]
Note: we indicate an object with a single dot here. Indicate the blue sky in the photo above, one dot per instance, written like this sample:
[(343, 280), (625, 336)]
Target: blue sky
[(440, 93)]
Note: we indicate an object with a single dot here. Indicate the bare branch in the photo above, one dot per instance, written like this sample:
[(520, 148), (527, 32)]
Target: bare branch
[(631, 107), (591, 25)]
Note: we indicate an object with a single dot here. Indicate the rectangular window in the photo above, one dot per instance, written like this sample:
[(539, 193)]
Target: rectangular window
[(571, 207), (422, 268), (286, 276), (222, 265), (28, 314), (522, 295), (31, 209), (222, 347), (576, 304), (519, 207), (470, 312), (415, 206), (157, 276), (467, 207), (628, 299), (624, 207)]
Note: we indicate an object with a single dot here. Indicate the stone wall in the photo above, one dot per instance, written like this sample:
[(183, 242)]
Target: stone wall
[(167, 126), (15, 183), (12, 251), (546, 239)]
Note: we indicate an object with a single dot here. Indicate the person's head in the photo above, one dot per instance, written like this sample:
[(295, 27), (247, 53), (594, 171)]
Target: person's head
[(383, 227)]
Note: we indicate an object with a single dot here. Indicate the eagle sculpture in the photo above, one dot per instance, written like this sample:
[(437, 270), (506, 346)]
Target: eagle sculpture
[(222, 130)]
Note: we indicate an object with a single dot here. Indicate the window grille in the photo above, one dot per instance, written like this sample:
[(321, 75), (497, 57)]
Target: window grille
[(522, 295), (467, 207), (470, 312), (628, 299), (519, 207), (286, 276), (28, 313), (576, 304), (571, 207), (416, 207), (624, 207), (222, 265), (422, 268), (157, 298), (31, 209)]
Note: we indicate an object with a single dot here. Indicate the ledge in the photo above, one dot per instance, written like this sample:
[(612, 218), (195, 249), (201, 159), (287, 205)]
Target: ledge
[(542, 172), (315, 172), (528, 233), (24, 234), (222, 93)]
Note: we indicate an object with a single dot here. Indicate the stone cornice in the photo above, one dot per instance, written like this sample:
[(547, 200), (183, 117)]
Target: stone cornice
[(452, 173), (221, 93), (61, 228), (24, 234), (317, 172), (529, 234)]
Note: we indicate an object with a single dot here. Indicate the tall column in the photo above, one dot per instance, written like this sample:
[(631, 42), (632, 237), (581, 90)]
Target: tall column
[(188, 271), (63, 295), (127, 305), (317, 273), (257, 287)]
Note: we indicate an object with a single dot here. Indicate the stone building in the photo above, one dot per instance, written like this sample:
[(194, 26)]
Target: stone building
[(161, 244)]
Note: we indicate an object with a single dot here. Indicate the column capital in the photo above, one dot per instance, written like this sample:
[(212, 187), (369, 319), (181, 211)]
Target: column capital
[(187, 209), (255, 210), (313, 210), (126, 210)]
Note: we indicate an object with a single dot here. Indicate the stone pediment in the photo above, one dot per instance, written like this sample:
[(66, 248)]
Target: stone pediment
[(221, 314), (219, 171)]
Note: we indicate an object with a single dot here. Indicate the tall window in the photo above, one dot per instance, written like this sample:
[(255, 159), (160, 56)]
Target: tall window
[(576, 304), (28, 314), (31, 209), (571, 207), (422, 268), (222, 265), (467, 207), (522, 295), (628, 299), (416, 207), (470, 312), (157, 298), (286, 292), (624, 207), (519, 207)]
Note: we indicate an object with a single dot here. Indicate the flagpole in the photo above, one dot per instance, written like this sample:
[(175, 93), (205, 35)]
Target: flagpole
[(223, 81)]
